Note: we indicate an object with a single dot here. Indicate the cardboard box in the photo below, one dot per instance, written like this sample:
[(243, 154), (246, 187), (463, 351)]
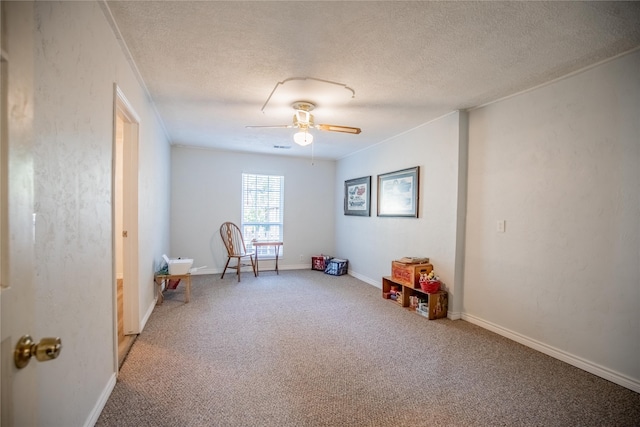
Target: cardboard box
[(409, 274)]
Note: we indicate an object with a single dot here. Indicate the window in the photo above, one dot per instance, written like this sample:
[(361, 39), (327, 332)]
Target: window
[(262, 211)]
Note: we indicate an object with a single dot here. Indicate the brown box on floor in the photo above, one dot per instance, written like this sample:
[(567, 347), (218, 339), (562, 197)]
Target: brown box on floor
[(409, 274), (435, 306)]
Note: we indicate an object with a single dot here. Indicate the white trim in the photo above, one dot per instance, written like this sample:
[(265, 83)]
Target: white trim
[(376, 283), (454, 315), (146, 316), (475, 107), (102, 401), (585, 365), (391, 138), (125, 106), (557, 79), (578, 362), (130, 170), (291, 267), (134, 67), (205, 271)]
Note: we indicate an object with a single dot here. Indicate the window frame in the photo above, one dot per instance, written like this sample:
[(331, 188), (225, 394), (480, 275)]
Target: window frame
[(261, 228)]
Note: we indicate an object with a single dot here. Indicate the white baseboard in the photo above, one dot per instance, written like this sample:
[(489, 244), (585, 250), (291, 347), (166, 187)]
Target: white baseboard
[(295, 267), (146, 316), (204, 271), (454, 315), (104, 396), (601, 371), (578, 362), (372, 282)]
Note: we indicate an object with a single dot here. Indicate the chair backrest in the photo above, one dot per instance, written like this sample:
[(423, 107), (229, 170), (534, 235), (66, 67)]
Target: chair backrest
[(233, 240)]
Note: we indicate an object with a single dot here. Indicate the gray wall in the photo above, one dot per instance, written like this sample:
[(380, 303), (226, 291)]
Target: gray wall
[(561, 165), (371, 243), (78, 60), (206, 191)]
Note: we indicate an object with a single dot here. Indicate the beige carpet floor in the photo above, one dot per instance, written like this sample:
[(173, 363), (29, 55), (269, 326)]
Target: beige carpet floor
[(307, 349)]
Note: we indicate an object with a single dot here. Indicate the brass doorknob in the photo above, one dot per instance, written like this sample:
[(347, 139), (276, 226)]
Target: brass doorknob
[(46, 349)]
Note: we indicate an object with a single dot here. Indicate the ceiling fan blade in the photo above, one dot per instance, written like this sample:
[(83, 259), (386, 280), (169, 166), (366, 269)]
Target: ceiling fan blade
[(336, 128), (272, 127)]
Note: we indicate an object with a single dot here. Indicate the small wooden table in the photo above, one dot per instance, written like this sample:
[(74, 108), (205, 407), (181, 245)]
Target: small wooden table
[(276, 245), (161, 279)]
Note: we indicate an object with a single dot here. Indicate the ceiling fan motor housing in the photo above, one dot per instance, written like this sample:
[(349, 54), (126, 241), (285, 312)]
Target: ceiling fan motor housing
[(303, 105), (303, 119)]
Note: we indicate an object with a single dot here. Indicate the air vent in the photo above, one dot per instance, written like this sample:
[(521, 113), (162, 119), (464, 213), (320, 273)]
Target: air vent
[(283, 147)]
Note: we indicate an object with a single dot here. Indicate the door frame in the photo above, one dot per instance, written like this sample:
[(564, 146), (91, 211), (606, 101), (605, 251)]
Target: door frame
[(131, 294)]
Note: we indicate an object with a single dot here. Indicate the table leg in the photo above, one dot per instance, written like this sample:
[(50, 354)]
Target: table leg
[(277, 253), (188, 297), (160, 295)]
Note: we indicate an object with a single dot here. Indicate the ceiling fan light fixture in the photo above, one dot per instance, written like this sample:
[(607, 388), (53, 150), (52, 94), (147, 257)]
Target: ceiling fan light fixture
[(303, 138)]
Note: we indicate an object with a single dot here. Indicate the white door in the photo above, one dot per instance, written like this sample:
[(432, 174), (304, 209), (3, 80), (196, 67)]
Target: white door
[(19, 394)]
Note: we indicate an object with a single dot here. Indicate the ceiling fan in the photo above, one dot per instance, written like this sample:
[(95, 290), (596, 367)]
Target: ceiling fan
[(303, 120)]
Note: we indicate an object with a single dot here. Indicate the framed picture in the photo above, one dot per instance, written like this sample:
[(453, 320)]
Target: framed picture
[(398, 193), (357, 196)]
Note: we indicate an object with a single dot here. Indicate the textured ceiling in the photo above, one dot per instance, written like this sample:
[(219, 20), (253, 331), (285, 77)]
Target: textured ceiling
[(210, 66)]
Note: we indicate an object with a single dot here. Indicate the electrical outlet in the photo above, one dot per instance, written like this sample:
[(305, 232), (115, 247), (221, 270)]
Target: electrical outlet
[(300, 257), (501, 227)]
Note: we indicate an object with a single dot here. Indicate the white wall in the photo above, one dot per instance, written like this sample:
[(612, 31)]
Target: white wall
[(78, 59), (561, 164), (206, 191), (371, 243)]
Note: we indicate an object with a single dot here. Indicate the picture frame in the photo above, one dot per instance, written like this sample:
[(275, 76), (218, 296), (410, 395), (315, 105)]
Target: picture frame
[(357, 196), (398, 193)]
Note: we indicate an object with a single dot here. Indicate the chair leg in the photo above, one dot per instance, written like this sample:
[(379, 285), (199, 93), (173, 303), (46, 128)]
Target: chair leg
[(225, 267), (239, 267), (255, 272)]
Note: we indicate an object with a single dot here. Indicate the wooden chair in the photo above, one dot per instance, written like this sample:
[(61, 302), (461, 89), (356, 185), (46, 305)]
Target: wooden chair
[(234, 242)]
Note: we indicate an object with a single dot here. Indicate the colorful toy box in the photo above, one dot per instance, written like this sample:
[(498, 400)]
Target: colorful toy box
[(337, 267), (319, 262)]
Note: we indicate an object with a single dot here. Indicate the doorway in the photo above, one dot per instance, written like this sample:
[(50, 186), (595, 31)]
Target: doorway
[(125, 225)]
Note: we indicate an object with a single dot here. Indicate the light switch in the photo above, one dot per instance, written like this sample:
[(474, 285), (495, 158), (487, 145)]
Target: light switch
[(502, 226)]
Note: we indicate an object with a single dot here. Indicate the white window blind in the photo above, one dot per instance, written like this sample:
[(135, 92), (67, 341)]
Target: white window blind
[(262, 211)]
